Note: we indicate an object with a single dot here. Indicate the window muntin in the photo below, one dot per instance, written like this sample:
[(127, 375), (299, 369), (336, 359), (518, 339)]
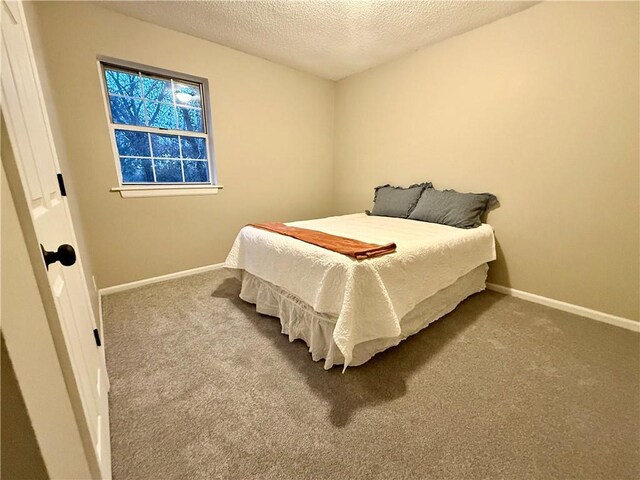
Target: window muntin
[(159, 127)]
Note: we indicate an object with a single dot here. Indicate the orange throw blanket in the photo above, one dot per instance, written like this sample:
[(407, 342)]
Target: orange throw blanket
[(347, 246)]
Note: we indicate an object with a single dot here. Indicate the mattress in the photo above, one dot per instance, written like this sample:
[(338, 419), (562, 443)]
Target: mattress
[(300, 322), (368, 298)]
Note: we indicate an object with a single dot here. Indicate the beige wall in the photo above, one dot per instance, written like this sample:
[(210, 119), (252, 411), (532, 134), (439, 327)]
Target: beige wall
[(20, 454), (272, 132), (541, 109)]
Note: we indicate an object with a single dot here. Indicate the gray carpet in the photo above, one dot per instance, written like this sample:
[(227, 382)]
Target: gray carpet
[(203, 387)]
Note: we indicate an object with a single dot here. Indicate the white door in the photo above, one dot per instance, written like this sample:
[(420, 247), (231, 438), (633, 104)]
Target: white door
[(30, 134)]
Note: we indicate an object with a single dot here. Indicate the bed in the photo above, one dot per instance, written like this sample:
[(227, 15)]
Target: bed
[(348, 310)]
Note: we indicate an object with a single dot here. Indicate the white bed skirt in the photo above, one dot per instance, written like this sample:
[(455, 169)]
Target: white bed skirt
[(301, 321)]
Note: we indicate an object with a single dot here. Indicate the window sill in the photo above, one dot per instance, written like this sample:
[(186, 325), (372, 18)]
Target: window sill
[(166, 191)]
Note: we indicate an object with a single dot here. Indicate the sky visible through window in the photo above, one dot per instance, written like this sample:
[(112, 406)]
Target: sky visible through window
[(150, 105)]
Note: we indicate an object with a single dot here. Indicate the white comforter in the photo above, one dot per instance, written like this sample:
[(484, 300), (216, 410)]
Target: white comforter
[(368, 297)]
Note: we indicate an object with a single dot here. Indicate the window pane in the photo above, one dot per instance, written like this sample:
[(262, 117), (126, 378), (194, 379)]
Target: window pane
[(126, 111), (193, 147), (165, 146), (153, 105), (190, 119), (135, 144), (168, 170), (157, 89), (187, 94), (196, 171), (136, 170), (161, 115), (123, 83)]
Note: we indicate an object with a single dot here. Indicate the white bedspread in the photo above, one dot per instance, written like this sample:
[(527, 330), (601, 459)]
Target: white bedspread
[(368, 297)]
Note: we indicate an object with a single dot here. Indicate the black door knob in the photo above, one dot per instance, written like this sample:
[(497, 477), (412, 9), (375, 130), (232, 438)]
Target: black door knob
[(66, 255)]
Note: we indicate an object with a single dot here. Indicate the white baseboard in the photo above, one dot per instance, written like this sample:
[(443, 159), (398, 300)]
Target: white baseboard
[(531, 297), (147, 281), (568, 307)]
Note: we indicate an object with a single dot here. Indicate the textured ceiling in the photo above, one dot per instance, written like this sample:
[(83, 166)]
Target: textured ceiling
[(332, 39)]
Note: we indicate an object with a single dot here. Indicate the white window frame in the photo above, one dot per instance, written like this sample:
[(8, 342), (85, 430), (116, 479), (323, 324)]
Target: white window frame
[(160, 189)]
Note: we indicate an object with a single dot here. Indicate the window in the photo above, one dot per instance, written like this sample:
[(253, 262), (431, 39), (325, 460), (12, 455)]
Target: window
[(159, 128)]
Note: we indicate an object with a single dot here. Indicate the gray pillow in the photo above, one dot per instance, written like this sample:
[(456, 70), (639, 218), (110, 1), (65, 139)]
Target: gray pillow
[(398, 202), (463, 210)]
